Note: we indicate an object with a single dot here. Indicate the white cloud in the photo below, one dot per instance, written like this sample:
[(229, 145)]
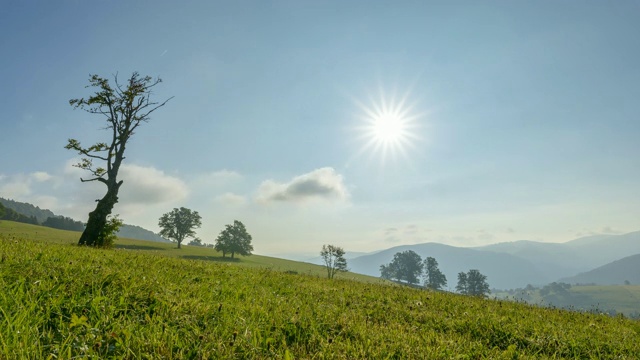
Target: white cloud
[(231, 199), (148, 185), (324, 183), (40, 176)]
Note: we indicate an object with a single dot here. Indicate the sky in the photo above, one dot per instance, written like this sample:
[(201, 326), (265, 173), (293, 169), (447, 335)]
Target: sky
[(363, 124)]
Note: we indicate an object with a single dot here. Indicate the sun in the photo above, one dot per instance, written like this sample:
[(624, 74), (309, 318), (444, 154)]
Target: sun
[(388, 127)]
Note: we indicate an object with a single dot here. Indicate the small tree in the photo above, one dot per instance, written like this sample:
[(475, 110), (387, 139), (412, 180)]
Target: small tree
[(477, 284), (234, 239), (179, 224), (405, 266), (125, 107), (334, 260), (434, 278), (195, 242), (462, 283), (109, 232)]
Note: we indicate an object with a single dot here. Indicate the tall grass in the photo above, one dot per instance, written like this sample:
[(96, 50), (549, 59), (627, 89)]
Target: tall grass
[(62, 301)]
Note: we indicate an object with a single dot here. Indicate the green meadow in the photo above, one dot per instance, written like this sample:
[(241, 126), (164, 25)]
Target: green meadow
[(147, 300)]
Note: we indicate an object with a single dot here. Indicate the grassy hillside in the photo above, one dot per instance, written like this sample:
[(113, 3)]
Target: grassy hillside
[(41, 233), (63, 301), (620, 299)]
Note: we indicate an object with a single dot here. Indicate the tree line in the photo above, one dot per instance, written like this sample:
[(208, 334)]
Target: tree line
[(408, 267)]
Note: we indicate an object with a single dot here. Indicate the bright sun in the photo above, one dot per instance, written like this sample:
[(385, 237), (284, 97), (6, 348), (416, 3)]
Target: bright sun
[(389, 128)]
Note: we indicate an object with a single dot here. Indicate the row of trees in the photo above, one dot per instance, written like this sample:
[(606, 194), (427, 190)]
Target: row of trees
[(181, 223), (408, 267)]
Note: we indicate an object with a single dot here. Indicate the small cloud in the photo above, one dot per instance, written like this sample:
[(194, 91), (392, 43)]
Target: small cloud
[(411, 229), (510, 231), (148, 185), (610, 230), (231, 199), (324, 183), (40, 176)]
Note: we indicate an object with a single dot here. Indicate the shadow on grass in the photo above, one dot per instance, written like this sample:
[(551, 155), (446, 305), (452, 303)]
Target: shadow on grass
[(210, 258), (138, 247)]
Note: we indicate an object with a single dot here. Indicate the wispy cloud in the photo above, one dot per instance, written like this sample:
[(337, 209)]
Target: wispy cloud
[(320, 184)]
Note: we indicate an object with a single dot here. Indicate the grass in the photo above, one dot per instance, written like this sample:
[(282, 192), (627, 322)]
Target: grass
[(60, 301), (41, 233)]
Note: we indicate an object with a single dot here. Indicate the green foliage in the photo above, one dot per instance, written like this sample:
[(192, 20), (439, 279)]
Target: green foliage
[(195, 242), (434, 278), (477, 284), (109, 232), (179, 224), (406, 266), (462, 283), (56, 305), (7, 213), (2, 210), (234, 239), (63, 223), (334, 261)]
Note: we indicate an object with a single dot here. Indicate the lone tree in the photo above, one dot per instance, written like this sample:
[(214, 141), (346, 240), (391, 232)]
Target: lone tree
[(405, 266), (334, 260), (125, 107), (179, 224), (234, 239), (434, 278), (473, 283)]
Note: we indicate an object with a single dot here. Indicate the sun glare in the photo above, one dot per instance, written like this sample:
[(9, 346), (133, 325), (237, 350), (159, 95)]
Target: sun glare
[(389, 128)]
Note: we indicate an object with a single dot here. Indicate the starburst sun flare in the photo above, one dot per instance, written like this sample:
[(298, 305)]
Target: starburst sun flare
[(389, 128)]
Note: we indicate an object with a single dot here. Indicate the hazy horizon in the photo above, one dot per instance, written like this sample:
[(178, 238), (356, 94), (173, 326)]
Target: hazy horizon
[(366, 126)]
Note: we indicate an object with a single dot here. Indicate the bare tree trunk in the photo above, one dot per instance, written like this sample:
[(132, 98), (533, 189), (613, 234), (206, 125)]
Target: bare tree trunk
[(98, 217)]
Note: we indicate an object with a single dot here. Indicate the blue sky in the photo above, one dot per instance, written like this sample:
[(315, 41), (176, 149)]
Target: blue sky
[(522, 117)]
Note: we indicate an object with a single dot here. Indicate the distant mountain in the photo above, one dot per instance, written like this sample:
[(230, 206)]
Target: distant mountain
[(29, 210), (137, 232), (560, 260), (614, 273), (503, 271)]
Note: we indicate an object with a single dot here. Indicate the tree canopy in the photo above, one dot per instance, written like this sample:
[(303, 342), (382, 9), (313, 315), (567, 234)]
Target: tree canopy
[(179, 224), (473, 283), (124, 107), (234, 239), (406, 266), (334, 261), (434, 278)]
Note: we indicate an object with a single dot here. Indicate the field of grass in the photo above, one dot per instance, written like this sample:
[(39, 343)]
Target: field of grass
[(622, 299), (41, 233), (60, 301)]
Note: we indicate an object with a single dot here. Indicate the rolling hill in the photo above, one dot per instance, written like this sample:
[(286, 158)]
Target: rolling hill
[(502, 270), (614, 273)]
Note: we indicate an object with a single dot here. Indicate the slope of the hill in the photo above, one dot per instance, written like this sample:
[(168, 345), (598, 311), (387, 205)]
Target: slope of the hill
[(126, 230), (62, 301), (615, 273)]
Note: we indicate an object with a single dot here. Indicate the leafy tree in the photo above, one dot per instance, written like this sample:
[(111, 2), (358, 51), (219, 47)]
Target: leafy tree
[(477, 284), (405, 266), (109, 232), (2, 210), (462, 283), (234, 239), (125, 107), (434, 278), (195, 242), (179, 224), (334, 260)]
